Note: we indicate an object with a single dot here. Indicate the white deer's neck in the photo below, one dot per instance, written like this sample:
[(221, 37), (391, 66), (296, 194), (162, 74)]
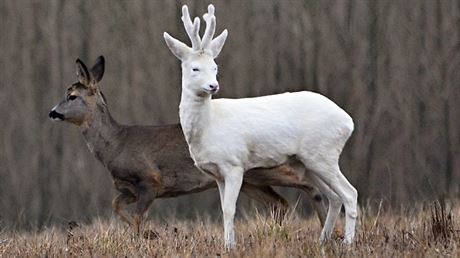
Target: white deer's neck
[(194, 113)]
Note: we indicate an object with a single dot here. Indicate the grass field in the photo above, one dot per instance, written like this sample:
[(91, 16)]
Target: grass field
[(432, 231)]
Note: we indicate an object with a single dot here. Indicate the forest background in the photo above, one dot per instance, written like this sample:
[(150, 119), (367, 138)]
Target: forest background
[(392, 65)]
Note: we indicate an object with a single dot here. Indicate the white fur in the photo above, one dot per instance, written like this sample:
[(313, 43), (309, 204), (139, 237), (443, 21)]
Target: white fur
[(227, 137)]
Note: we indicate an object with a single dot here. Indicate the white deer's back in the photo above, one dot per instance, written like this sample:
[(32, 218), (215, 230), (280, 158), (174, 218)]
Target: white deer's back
[(267, 130)]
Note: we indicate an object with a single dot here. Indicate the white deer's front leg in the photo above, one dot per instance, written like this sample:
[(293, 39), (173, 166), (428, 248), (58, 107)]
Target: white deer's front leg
[(233, 177)]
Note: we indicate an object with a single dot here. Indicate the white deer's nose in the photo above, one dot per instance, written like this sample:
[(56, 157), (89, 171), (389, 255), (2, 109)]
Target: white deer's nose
[(214, 87)]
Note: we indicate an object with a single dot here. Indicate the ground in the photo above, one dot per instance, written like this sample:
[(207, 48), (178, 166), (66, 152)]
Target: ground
[(429, 231)]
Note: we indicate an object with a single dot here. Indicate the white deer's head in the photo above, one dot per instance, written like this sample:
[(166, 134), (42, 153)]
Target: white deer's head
[(199, 71)]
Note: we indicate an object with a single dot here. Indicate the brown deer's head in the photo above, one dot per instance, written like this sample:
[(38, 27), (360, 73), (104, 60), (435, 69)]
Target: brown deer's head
[(82, 97)]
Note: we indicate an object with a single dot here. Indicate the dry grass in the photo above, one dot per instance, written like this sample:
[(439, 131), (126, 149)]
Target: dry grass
[(426, 232)]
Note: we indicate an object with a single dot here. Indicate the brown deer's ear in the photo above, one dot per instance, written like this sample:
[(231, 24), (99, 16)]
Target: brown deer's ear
[(82, 73), (97, 72)]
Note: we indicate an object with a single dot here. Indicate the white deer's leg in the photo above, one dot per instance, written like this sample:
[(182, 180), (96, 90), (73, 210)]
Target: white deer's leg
[(332, 177), (334, 207), (350, 197), (221, 187), (233, 181)]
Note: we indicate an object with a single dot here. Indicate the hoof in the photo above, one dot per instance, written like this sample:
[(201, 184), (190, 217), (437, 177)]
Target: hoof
[(338, 235), (347, 242), (229, 246)]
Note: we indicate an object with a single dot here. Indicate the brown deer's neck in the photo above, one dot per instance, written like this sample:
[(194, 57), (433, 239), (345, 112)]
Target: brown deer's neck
[(102, 134)]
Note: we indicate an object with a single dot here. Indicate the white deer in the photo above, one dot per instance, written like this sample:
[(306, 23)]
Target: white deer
[(227, 137)]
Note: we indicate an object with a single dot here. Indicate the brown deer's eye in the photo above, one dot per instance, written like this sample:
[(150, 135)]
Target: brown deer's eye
[(72, 97)]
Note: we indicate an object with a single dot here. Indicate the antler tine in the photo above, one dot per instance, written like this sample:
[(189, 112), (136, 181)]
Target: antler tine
[(210, 20), (192, 29)]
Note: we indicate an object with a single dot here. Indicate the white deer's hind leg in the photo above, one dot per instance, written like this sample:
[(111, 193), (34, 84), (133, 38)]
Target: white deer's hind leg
[(221, 187), (324, 164), (337, 182), (233, 180), (334, 207), (350, 197)]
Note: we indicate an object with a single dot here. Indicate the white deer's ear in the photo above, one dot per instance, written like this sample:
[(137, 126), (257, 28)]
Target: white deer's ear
[(218, 42), (179, 49)]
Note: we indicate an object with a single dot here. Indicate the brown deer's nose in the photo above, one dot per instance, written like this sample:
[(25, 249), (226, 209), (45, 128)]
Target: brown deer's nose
[(55, 115)]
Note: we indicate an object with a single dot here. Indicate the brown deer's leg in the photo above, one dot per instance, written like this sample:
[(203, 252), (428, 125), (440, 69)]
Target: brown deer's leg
[(146, 197), (267, 196), (120, 202), (317, 202)]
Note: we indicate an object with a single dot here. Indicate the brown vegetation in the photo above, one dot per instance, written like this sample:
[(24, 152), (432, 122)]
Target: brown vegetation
[(393, 65), (381, 234)]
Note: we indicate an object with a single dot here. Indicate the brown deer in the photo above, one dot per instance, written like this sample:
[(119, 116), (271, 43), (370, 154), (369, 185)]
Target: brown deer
[(148, 162)]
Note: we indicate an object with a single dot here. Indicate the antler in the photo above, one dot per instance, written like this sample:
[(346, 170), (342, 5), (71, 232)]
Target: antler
[(210, 20), (207, 43), (192, 29)]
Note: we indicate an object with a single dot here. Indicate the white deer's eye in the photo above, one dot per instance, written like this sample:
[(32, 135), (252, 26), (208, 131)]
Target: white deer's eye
[(195, 69), (72, 97)]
